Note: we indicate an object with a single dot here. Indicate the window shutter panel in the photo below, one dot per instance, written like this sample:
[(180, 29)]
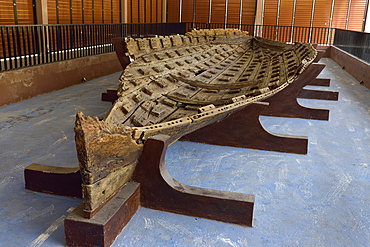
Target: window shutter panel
[(233, 12), (286, 13), (303, 13), (340, 14), (88, 11), (249, 11), (52, 12), (202, 11), (187, 10), (76, 11), (356, 15), (270, 12), (6, 13), (218, 11), (107, 12), (173, 9), (64, 12), (116, 11), (98, 15), (321, 16), (25, 12)]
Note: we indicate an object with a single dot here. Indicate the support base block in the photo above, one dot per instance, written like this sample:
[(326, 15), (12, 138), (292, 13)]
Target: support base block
[(106, 225)]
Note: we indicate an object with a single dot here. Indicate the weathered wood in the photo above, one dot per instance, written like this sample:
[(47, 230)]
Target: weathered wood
[(285, 104), (104, 227), (103, 152), (318, 94), (176, 85), (162, 192), (244, 129), (61, 181)]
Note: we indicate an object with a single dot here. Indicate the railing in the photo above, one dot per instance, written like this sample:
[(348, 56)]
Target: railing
[(24, 46), (355, 43)]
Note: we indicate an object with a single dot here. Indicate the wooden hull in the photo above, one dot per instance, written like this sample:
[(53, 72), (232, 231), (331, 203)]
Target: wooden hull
[(174, 86)]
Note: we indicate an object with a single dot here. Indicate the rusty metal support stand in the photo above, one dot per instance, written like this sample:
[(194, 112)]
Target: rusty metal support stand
[(284, 103), (244, 129)]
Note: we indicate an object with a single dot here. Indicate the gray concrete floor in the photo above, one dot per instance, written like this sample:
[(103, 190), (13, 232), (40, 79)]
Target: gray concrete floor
[(318, 199)]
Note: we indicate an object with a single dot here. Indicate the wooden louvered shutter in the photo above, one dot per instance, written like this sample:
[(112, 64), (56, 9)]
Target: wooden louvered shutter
[(286, 13), (356, 15), (285, 20), (340, 14), (249, 12), (270, 19), (107, 11), (52, 12), (154, 11), (303, 13), (321, 18), (116, 11), (159, 11), (147, 12), (88, 17), (202, 11), (76, 12), (25, 12), (233, 12), (141, 11), (6, 13), (134, 13), (129, 14), (64, 12), (270, 12), (173, 10), (98, 15), (218, 9), (187, 11)]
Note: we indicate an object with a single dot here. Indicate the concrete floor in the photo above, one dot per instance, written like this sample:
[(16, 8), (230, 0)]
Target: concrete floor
[(318, 199)]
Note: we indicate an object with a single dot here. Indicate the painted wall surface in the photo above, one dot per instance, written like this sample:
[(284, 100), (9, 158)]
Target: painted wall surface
[(357, 68), (17, 85)]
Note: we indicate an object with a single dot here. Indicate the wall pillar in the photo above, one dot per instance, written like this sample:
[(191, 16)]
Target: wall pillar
[(124, 11), (258, 17), (164, 11), (42, 12)]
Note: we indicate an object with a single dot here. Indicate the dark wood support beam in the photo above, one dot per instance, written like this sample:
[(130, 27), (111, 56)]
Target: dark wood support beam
[(244, 129), (285, 104)]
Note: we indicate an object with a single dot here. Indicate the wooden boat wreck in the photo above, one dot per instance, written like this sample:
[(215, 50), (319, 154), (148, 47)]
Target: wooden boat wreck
[(174, 86)]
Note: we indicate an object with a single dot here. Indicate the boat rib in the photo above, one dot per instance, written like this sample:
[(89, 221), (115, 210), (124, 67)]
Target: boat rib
[(176, 85)]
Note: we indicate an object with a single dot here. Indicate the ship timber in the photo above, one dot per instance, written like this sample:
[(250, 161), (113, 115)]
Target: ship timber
[(173, 86)]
